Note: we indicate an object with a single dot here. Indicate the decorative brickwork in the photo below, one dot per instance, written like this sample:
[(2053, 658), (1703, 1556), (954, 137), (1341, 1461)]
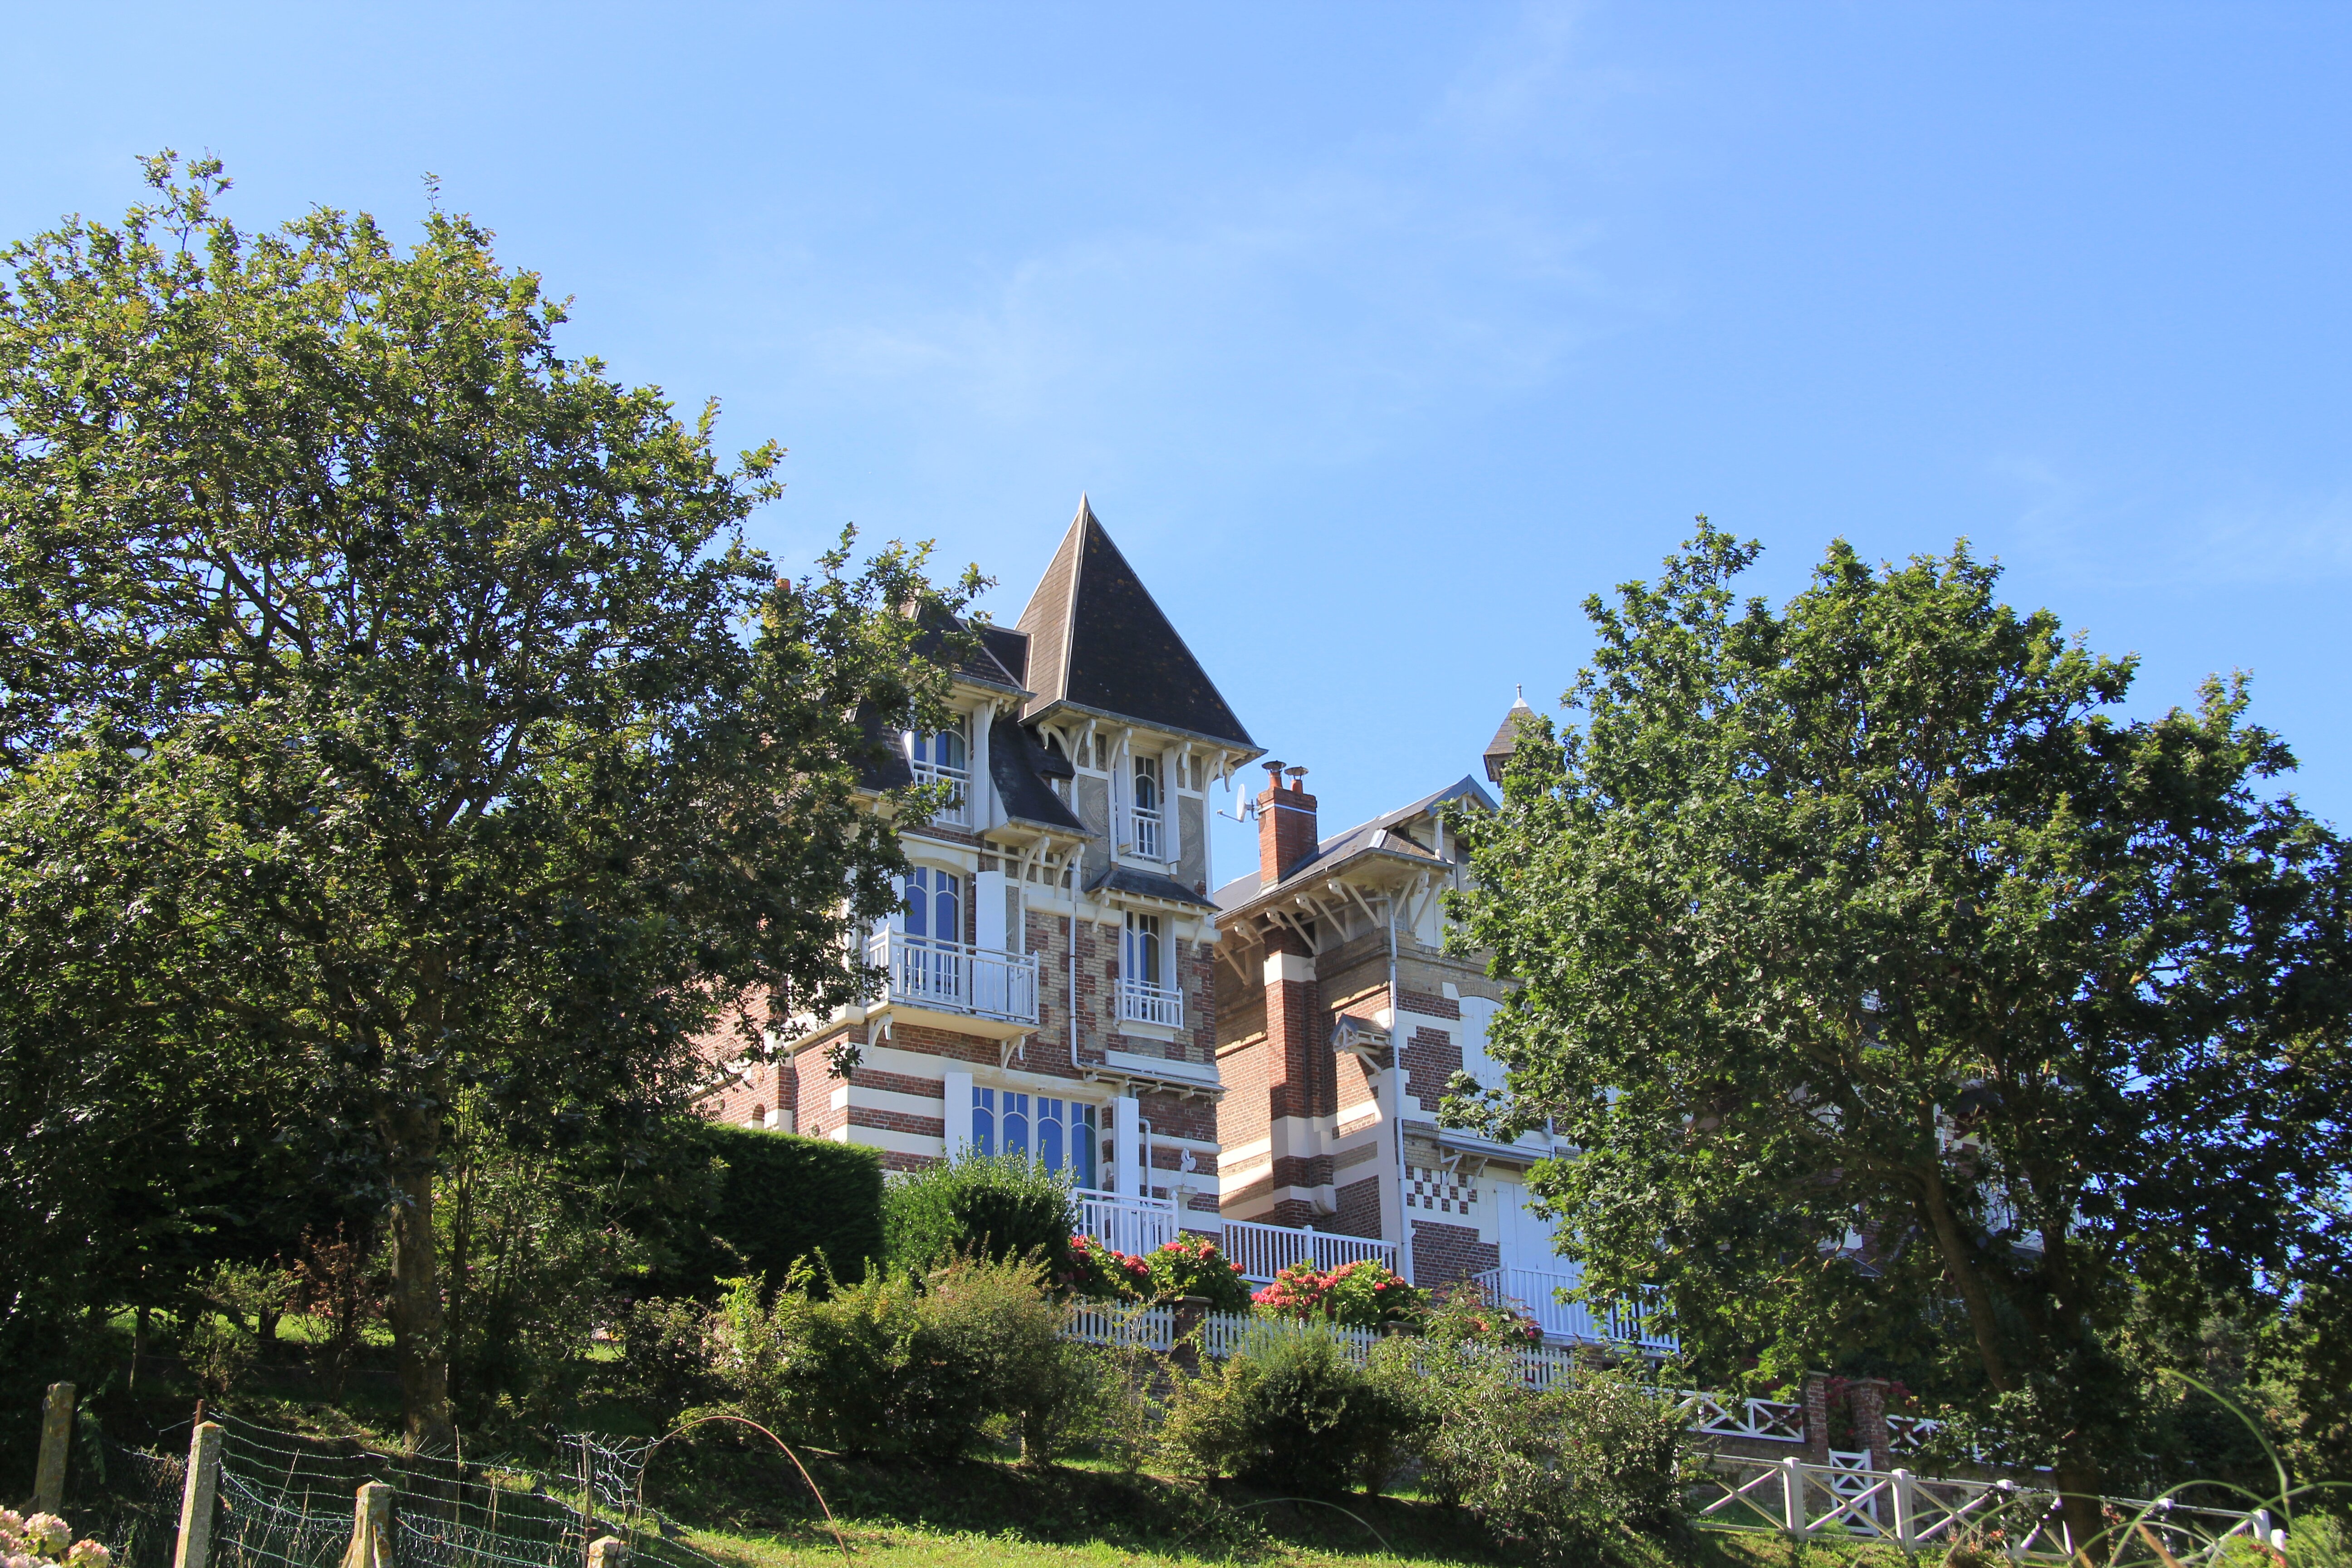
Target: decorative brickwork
[(1427, 1005), (897, 1121), (1434, 1188), (1817, 1417), (1445, 1252), (1431, 1059)]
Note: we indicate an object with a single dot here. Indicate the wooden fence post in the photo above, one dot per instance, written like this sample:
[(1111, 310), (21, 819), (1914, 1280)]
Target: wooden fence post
[(608, 1552), (1907, 1523), (197, 1498), (371, 1545), (57, 1436), (1793, 1497)]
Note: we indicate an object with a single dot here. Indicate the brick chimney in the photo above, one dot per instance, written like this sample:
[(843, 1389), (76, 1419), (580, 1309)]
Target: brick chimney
[(1285, 825)]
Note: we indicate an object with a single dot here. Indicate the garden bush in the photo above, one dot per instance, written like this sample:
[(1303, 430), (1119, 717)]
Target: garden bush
[(996, 1205), (1360, 1295), (1288, 1410), (666, 1366), (1464, 1312), (926, 1364), (779, 1199), (1553, 1476), (1100, 1273), (1196, 1266)]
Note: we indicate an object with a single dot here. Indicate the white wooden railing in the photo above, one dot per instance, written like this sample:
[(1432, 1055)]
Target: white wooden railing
[(1262, 1251), (1140, 1002), (957, 812), (1537, 1291), (955, 976), (1126, 1221), (1921, 1513), (1143, 833), (1764, 1420)]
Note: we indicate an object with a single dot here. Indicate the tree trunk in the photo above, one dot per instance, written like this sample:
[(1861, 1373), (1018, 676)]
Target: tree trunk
[(2079, 1481), (1953, 1248), (419, 1332)]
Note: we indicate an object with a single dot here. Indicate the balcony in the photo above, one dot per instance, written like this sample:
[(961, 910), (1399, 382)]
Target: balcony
[(1534, 1290), (942, 976), (1143, 833), (1262, 1251), (1140, 1002), (1126, 1221), (957, 812)]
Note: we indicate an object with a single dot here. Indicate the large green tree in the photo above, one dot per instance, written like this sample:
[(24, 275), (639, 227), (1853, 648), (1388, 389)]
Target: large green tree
[(436, 733), (1890, 983)]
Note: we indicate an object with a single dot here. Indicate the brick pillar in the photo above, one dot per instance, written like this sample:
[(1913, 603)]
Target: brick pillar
[(1866, 1397), (1295, 1083), (1817, 1417)]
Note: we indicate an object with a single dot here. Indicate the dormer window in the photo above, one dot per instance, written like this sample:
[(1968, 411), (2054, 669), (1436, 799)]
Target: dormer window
[(1144, 814), (944, 757)]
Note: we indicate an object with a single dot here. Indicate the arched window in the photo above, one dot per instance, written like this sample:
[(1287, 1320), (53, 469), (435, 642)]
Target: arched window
[(1016, 1123), (934, 903), (758, 1115), (983, 1121)]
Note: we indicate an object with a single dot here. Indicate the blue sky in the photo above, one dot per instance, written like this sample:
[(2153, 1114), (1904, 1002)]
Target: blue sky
[(1383, 334)]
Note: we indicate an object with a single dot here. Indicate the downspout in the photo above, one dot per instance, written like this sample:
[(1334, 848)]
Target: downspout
[(1396, 1084)]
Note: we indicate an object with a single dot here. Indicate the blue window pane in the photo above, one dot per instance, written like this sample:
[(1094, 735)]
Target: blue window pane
[(983, 1121), (918, 904), (1082, 1145), (1049, 1133), (1016, 1123), (949, 926)]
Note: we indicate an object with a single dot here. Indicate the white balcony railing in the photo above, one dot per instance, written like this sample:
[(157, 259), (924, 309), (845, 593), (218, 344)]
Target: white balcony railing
[(955, 976), (1533, 1290), (957, 812), (1126, 1221), (1262, 1251), (1143, 833), (1140, 1002)]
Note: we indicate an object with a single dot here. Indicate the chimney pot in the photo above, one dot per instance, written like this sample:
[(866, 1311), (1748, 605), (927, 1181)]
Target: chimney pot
[(1285, 825)]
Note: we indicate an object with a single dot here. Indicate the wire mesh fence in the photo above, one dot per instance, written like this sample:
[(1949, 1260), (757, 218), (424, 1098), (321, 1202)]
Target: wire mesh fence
[(286, 1501)]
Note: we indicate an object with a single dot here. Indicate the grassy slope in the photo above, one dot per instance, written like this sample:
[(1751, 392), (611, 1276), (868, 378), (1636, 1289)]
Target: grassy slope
[(985, 1514)]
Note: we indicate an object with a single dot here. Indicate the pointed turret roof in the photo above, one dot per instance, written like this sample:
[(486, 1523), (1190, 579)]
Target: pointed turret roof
[(1099, 643), (1507, 736)]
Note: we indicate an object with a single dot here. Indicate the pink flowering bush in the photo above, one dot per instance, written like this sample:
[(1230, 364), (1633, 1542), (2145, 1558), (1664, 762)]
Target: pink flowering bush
[(1360, 1295), (40, 1543), (1100, 1274), (1194, 1265)]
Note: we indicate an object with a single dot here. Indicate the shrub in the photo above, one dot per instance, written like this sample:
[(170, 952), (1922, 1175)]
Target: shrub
[(995, 1206), (778, 1199), (665, 1357), (1549, 1474), (1099, 1273), (899, 1363), (1465, 1313), (1194, 1266), (1360, 1295), (1287, 1410)]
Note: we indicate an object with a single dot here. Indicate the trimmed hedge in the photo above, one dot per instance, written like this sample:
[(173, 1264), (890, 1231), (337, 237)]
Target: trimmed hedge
[(783, 1198)]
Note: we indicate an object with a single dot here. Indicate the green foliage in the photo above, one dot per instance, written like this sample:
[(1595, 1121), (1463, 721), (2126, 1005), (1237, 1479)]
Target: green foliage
[(1099, 1273), (377, 722), (1463, 1313), (1001, 1205), (1196, 1266), (1868, 915), (778, 1199), (665, 1358), (1288, 1410), (1553, 1476), (895, 1364)]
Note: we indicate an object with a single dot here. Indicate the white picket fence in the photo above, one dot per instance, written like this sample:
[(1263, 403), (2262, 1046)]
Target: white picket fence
[(1800, 1500), (1130, 1327)]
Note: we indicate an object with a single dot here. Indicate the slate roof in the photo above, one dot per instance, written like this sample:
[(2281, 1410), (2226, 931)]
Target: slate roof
[(981, 665), (1011, 649), (1097, 641), (1020, 767), (1507, 738), (1377, 837), (1119, 878)]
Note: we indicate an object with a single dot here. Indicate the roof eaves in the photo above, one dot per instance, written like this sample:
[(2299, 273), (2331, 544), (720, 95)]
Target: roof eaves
[(1245, 750)]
